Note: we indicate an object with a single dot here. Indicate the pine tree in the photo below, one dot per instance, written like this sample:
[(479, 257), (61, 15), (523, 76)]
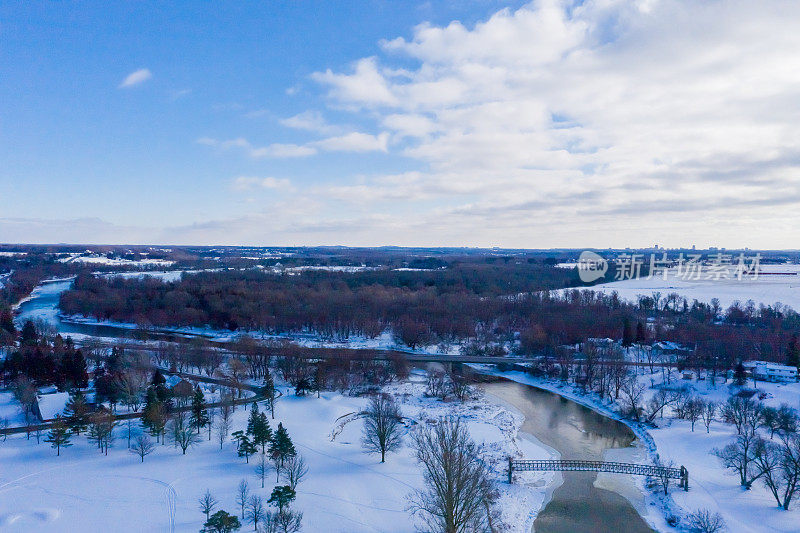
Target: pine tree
[(77, 412), (59, 435), (641, 335), (7, 321), (262, 434), (281, 448), (627, 333), (199, 417), (270, 393), (221, 522), (252, 421), (793, 352), (739, 374), (244, 445), (282, 497)]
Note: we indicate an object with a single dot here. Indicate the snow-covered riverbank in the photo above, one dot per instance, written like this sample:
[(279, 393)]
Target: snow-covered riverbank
[(711, 486), (346, 489)]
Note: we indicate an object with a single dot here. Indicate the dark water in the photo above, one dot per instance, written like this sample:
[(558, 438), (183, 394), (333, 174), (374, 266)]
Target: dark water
[(577, 432)]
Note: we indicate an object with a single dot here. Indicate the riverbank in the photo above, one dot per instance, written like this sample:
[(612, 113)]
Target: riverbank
[(652, 508)]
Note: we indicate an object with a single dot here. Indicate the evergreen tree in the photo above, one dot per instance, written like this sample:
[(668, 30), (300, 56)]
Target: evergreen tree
[(252, 421), (158, 378), (793, 352), (739, 374), (627, 333), (59, 435), (262, 433), (270, 393), (29, 335), (641, 334), (244, 445), (282, 497), (199, 417), (221, 522), (7, 322), (281, 448), (77, 412)]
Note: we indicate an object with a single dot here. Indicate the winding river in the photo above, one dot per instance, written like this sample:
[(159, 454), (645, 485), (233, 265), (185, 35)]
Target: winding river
[(576, 432), (577, 505)]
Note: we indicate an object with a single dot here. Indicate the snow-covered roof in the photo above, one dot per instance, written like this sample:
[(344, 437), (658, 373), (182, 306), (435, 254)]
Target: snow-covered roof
[(51, 405)]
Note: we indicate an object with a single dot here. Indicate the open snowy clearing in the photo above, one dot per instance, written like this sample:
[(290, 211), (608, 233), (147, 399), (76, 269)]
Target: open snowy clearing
[(767, 288), (346, 489)]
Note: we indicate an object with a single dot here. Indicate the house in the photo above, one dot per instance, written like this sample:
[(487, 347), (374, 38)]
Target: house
[(669, 351), (48, 406), (183, 390), (773, 372)]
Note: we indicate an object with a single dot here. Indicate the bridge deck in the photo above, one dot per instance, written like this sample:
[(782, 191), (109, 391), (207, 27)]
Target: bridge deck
[(599, 466)]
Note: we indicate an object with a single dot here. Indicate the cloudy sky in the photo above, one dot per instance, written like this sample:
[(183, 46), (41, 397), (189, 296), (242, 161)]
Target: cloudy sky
[(371, 122)]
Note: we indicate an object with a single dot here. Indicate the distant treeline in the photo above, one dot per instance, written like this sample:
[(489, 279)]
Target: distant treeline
[(489, 301), (421, 306)]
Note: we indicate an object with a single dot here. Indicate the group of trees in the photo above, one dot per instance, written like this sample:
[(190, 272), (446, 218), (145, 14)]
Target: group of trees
[(283, 519), (492, 307), (773, 459), (275, 449), (43, 362)]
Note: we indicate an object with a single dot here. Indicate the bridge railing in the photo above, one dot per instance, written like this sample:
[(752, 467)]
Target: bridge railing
[(570, 465)]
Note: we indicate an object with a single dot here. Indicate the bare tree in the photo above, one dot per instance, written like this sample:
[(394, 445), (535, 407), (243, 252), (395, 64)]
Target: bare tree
[(223, 426), (740, 456), (207, 503), (131, 385), (704, 521), (744, 413), (242, 495), (263, 467), (142, 446), (458, 495), (183, 434), (254, 512), (708, 414), (663, 477), (295, 470), (436, 384), (780, 467), (632, 392), (694, 410), (382, 425), (655, 407), (285, 521)]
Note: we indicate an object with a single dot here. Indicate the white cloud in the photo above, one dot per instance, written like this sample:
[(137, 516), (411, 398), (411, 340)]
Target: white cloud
[(311, 121), (135, 78), (598, 111), (247, 183), (365, 86), (277, 150), (354, 142)]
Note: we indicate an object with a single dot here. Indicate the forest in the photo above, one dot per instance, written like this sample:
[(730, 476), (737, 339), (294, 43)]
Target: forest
[(488, 306)]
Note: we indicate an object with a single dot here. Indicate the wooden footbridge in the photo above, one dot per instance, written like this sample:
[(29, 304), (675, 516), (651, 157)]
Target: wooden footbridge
[(681, 474)]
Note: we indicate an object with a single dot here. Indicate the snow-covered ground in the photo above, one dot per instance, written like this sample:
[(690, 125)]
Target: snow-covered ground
[(346, 490), (116, 261), (768, 288), (711, 486)]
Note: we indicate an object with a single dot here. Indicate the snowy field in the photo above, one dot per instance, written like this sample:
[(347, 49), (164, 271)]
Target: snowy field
[(767, 289), (346, 489), (711, 486), (103, 260)]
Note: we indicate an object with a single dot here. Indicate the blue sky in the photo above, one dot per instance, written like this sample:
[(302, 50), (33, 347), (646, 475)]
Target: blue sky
[(73, 144), (413, 123)]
